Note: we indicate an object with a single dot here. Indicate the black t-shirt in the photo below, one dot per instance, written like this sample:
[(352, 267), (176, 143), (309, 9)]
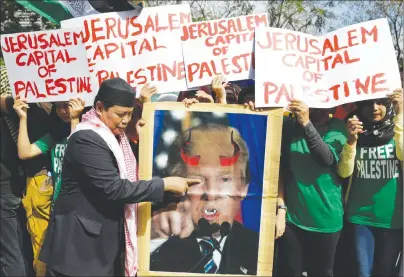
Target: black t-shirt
[(11, 178), (38, 122)]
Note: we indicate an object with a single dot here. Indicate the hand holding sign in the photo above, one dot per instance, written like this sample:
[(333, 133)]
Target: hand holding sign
[(76, 107), (20, 106), (301, 111), (189, 102), (219, 88), (396, 99), (147, 92), (203, 97), (354, 127)]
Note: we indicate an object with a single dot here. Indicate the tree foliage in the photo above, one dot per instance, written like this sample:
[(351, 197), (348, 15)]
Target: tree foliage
[(302, 16), (207, 10)]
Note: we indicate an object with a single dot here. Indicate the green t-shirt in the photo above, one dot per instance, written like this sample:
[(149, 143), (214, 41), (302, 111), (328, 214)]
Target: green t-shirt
[(376, 196), (46, 144), (313, 192)]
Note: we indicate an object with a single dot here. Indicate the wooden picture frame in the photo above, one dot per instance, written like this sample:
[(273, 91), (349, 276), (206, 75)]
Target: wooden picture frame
[(269, 190)]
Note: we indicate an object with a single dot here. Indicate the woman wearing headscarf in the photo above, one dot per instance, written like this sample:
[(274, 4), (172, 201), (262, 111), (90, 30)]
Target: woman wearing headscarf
[(372, 158)]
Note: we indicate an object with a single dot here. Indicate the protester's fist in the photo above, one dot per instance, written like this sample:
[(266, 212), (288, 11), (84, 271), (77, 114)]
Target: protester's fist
[(189, 102), (219, 84), (280, 223), (147, 92), (179, 185), (175, 220), (396, 99), (203, 97), (76, 107), (354, 127), (301, 111), (20, 106)]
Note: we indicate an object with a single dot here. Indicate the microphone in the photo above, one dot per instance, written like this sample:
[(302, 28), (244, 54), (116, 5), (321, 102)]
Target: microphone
[(206, 229)]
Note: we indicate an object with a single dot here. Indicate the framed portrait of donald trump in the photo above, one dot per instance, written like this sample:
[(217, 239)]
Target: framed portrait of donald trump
[(225, 225)]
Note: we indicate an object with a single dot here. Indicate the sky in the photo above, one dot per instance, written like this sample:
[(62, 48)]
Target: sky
[(338, 10)]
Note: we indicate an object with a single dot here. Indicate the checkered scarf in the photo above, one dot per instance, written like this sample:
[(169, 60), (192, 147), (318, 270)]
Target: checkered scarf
[(127, 170), (5, 89)]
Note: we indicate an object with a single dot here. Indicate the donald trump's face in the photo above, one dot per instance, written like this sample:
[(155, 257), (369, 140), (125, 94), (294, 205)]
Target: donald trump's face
[(214, 157)]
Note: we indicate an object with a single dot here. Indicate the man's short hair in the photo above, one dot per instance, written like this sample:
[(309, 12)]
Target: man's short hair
[(176, 166)]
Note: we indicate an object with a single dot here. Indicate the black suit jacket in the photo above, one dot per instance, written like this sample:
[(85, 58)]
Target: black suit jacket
[(240, 253), (84, 233)]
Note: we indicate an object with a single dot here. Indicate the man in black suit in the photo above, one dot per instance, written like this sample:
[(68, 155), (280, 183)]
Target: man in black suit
[(85, 232), (218, 156)]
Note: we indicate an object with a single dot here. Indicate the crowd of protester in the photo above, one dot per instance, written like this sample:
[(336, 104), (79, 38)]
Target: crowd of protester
[(335, 216)]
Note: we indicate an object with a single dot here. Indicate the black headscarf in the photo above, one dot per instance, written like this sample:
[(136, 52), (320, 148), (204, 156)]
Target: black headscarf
[(376, 133)]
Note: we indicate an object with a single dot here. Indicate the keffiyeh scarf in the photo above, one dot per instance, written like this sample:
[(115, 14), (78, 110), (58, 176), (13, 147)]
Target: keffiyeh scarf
[(128, 170)]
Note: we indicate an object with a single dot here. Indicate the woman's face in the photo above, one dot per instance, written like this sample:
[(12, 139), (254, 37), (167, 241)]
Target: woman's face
[(374, 110), (62, 110)]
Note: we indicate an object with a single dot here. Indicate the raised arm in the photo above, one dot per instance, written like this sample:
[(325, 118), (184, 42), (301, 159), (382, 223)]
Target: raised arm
[(347, 162), (318, 148), (26, 149)]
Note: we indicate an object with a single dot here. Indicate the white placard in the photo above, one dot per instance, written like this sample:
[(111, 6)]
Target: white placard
[(47, 66), (351, 64), (140, 49), (224, 46)]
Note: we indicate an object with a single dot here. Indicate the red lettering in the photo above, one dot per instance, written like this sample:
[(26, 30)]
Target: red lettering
[(336, 44), (376, 82), (351, 37), (290, 40), (110, 23), (143, 79), (276, 41), (374, 33), (96, 32), (18, 87), (327, 46), (22, 39), (362, 87), (49, 87), (18, 59)]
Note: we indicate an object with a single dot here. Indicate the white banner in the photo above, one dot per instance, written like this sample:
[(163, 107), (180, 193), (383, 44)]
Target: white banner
[(47, 66), (140, 49), (351, 64), (224, 46)]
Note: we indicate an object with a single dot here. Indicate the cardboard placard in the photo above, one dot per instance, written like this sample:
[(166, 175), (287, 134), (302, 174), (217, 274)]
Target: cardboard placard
[(47, 66), (140, 49), (354, 63), (224, 46)]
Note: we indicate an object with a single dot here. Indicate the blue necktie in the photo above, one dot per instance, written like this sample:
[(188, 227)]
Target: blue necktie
[(207, 247)]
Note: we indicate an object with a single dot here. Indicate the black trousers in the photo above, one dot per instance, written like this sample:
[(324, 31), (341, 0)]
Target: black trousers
[(12, 259), (52, 273), (300, 250)]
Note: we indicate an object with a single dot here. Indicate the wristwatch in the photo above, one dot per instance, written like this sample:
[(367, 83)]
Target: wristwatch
[(283, 207)]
